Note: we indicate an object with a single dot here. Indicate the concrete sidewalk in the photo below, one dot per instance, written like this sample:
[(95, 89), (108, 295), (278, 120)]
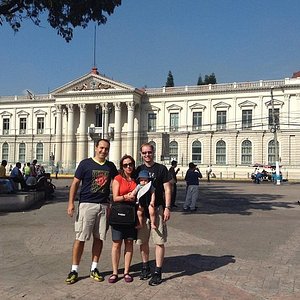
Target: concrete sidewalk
[(242, 243)]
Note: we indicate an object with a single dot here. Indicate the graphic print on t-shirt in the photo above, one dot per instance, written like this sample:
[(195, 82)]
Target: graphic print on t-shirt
[(99, 180)]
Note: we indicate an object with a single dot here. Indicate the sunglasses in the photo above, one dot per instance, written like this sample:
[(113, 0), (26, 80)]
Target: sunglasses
[(131, 165), (147, 152)]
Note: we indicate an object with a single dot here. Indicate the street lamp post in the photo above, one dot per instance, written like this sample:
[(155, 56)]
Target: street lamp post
[(274, 130)]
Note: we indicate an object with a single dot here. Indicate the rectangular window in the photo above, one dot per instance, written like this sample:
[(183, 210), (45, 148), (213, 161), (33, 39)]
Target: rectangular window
[(6, 126), (197, 120), (174, 121), (152, 122), (276, 117), (40, 125), (22, 125), (98, 115), (221, 120), (247, 119)]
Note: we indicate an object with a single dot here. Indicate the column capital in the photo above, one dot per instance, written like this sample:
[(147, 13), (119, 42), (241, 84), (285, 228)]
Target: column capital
[(82, 107), (117, 105), (105, 107), (58, 108), (130, 105), (70, 107)]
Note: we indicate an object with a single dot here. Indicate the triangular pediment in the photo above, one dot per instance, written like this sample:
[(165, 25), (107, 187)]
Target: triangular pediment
[(174, 107), (92, 82), (197, 106), (40, 112), (22, 112), (247, 103), (6, 114), (276, 103), (222, 104)]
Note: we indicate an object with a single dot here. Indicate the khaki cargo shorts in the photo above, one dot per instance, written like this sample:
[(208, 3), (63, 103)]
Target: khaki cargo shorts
[(91, 219), (159, 235)]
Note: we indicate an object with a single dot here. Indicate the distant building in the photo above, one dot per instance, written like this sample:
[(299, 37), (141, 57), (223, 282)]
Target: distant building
[(227, 126)]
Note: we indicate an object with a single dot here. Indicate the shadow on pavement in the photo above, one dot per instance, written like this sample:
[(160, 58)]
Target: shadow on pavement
[(187, 265), (221, 199)]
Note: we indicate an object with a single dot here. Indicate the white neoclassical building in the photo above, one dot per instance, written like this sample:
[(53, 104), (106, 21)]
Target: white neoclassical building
[(229, 126)]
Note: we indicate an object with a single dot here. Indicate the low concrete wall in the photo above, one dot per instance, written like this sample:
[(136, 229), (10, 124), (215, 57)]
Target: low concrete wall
[(20, 200)]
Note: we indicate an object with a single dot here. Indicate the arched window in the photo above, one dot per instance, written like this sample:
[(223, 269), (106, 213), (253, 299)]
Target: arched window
[(5, 150), (196, 152), (173, 151), (246, 151), (221, 153), (40, 152), (22, 152), (154, 146), (271, 152)]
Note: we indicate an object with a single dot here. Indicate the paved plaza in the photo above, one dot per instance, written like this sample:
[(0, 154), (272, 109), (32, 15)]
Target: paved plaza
[(242, 243)]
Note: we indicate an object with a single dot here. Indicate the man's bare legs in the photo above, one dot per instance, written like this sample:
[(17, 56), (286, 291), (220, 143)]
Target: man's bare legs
[(78, 247), (96, 249)]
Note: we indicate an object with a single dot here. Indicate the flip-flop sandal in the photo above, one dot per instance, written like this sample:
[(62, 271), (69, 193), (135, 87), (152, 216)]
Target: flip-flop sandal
[(128, 278), (113, 278)]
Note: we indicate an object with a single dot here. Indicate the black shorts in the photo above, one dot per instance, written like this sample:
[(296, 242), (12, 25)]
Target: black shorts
[(123, 233)]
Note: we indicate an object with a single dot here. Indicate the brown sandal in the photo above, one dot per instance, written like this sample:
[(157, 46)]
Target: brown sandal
[(113, 278), (128, 278)]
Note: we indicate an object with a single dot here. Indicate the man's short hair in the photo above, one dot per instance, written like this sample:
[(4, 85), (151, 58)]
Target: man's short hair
[(100, 140), (173, 163), (147, 145)]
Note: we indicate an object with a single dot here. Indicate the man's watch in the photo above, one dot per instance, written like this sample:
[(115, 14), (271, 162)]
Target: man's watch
[(168, 207)]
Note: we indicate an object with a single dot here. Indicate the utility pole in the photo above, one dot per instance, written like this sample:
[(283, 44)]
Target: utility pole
[(274, 130)]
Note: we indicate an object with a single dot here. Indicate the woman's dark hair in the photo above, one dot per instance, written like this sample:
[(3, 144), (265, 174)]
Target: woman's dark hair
[(121, 164)]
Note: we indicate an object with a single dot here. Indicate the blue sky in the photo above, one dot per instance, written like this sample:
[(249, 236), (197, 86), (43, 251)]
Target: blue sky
[(237, 40)]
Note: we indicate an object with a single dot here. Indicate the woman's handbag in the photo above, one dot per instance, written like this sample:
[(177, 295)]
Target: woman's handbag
[(122, 213)]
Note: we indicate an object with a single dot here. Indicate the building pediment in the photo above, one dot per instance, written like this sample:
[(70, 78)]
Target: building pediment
[(222, 104), (247, 103), (40, 112), (197, 106), (22, 113), (174, 107), (5, 114), (92, 82), (276, 103)]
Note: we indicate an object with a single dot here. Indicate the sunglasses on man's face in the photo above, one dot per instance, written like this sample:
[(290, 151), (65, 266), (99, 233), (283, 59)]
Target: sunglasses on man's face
[(130, 165), (147, 152)]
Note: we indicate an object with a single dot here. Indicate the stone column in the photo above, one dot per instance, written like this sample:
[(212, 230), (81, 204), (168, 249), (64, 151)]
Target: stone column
[(70, 138), (116, 153), (58, 135), (105, 110), (82, 137), (130, 128)]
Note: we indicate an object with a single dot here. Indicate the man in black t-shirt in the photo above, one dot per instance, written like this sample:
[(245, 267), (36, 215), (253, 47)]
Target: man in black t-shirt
[(95, 174), (160, 178)]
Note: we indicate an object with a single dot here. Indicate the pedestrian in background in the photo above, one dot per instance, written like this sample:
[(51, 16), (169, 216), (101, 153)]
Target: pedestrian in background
[(208, 173), (192, 177), (173, 172)]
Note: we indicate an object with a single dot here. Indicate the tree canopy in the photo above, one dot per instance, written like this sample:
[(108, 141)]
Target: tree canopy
[(208, 79), (63, 16)]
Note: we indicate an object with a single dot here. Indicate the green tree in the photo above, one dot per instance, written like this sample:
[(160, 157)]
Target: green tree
[(200, 81), (63, 16), (170, 80), (210, 79)]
